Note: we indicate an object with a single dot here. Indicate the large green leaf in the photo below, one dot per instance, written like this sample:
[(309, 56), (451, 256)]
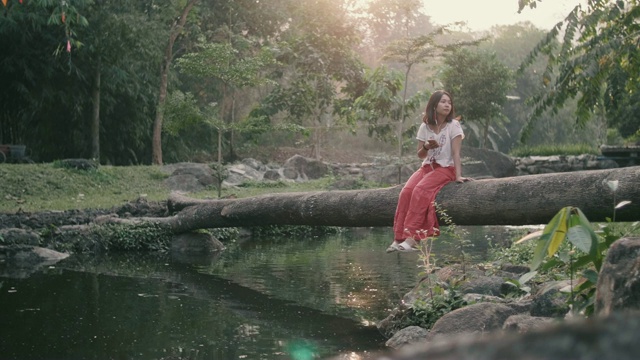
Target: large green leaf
[(578, 234), (558, 230), (552, 236), (594, 253)]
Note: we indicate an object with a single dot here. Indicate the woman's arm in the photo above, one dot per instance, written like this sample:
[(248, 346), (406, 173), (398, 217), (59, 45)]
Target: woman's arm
[(422, 149), (456, 145)]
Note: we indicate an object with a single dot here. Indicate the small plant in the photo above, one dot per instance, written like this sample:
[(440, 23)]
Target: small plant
[(220, 172), (520, 285), (426, 312), (586, 250)]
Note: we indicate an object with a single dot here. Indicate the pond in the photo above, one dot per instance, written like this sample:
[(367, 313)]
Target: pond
[(267, 298)]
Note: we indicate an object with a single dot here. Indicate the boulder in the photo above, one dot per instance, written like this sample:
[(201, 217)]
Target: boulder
[(496, 164), (473, 319), (618, 284), (523, 323), (408, 335), (609, 337), (20, 261), (302, 168)]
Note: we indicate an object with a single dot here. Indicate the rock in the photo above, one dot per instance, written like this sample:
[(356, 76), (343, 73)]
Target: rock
[(254, 164), (613, 337), (618, 284), (184, 183), (271, 174), (195, 242), (485, 285), (20, 261), (476, 318), (523, 323), (301, 168), (550, 301), (196, 248), (19, 236), (188, 177), (498, 164), (394, 322), (408, 335)]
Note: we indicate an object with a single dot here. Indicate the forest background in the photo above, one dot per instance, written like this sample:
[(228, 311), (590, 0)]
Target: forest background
[(153, 81)]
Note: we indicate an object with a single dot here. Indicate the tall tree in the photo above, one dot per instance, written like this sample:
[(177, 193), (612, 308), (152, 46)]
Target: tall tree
[(176, 28), (318, 64), (479, 84), (233, 68)]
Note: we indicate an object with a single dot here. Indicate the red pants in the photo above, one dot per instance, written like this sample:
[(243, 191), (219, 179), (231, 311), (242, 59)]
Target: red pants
[(416, 213)]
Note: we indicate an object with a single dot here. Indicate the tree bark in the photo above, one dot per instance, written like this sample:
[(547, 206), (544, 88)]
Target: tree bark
[(156, 145), (523, 200), (95, 117)]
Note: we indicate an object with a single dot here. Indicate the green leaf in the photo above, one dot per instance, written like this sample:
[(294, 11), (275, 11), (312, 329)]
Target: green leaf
[(558, 230), (591, 274), (595, 254), (579, 237), (526, 277)]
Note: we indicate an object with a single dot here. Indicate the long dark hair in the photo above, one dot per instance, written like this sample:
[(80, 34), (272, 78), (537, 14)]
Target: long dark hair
[(430, 111)]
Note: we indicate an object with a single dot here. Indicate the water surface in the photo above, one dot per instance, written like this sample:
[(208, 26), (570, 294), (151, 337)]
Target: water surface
[(262, 298)]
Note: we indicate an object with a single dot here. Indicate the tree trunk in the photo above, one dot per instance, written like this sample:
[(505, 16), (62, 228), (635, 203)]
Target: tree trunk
[(523, 200), (95, 118), (156, 146)]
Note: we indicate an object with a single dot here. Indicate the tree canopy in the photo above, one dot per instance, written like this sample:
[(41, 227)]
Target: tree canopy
[(596, 60), (95, 79)]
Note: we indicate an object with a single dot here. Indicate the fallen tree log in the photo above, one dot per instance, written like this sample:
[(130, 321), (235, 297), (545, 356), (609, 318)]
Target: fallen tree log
[(523, 200)]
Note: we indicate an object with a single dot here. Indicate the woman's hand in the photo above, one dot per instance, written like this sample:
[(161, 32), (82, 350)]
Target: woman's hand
[(463, 179)]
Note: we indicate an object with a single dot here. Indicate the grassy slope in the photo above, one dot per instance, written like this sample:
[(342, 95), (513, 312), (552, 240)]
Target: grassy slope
[(39, 187)]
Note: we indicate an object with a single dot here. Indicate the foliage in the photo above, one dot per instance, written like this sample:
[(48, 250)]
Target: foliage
[(521, 254), (596, 62), (318, 71), (551, 150), (479, 84), (224, 62), (458, 237), (571, 225), (295, 231), (425, 312), (147, 237), (220, 172)]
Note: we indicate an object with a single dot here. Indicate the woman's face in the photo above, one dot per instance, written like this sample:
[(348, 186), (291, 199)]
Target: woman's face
[(444, 105)]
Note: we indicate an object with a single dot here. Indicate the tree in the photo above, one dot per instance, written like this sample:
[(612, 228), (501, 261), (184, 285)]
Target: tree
[(233, 68), (38, 40), (479, 84), (596, 61), (120, 46), (317, 67), (176, 28), (375, 207)]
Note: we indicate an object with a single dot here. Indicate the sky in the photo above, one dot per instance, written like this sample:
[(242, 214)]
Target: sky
[(483, 14)]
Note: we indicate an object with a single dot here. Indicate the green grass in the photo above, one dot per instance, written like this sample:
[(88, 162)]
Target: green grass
[(34, 187), (40, 187)]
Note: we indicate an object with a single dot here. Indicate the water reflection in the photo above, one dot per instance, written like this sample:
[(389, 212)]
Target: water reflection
[(266, 298)]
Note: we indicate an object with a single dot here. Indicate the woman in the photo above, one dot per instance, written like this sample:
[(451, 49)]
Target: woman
[(439, 142)]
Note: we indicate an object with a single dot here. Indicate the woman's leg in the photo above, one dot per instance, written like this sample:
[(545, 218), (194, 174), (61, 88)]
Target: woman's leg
[(404, 200), (421, 220)]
